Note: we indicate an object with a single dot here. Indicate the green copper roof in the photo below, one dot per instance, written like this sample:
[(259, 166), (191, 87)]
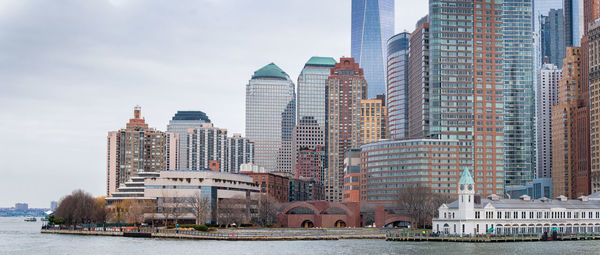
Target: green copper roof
[(465, 177), (321, 61), (270, 71)]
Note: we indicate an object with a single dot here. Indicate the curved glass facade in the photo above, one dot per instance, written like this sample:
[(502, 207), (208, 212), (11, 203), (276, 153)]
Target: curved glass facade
[(397, 88)]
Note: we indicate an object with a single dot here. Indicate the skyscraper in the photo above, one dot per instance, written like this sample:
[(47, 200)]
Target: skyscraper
[(519, 98), (397, 85), (546, 98), (574, 24), (346, 86), (136, 148), (563, 138), (466, 85), (311, 88), (418, 81), (179, 124), (372, 26), (207, 144), (552, 38), (309, 144), (270, 117), (240, 150)]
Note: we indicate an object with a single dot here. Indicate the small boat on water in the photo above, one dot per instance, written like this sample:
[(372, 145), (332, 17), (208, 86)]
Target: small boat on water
[(31, 219)]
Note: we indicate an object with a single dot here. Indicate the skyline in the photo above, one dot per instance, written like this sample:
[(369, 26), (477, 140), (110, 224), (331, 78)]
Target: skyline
[(69, 79)]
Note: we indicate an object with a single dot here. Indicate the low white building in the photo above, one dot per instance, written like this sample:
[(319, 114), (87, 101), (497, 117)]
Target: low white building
[(471, 215)]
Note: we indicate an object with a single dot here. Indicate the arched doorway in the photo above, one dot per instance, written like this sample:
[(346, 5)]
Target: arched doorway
[(340, 224), (307, 224)]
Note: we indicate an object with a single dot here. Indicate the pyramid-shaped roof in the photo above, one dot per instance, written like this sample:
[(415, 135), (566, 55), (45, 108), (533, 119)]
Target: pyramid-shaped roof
[(466, 178), (321, 61), (270, 71)]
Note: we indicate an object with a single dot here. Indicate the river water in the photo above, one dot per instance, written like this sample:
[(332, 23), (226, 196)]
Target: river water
[(19, 237)]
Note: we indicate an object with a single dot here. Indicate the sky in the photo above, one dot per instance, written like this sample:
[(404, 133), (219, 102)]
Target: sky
[(71, 70)]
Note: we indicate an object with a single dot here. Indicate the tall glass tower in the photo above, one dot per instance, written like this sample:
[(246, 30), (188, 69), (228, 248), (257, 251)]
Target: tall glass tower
[(573, 10), (519, 98), (270, 117), (311, 88), (181, 122), (397, 88), (372, 26)]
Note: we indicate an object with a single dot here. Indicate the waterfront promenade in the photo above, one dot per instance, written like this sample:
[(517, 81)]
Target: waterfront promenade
[(404, 236), (276, 234)]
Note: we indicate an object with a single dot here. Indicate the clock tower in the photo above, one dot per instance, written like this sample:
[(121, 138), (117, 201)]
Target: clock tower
[(466, 196)]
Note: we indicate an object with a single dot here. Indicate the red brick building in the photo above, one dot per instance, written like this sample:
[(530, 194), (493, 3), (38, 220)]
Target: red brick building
[(311, 163), (276, 186)]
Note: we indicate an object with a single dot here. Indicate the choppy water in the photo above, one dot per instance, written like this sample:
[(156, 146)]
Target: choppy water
[(19, 237)]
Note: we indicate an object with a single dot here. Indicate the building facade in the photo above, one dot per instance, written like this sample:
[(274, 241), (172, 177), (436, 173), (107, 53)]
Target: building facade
[(546, 98), (594, 74), (397, 85), (270, 117), (374, 119), (311, 88), (274, 185), (136, 148), (240, 150), (311, 163), (418, 81), (372, 26), (346, 86), (308, 135), (179, 124), (387, 167), (574, 24), (563, 137), (352, 176), (205, 145)]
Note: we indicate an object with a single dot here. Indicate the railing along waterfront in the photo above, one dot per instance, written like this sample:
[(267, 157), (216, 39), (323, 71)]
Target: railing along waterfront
[(403, 235)]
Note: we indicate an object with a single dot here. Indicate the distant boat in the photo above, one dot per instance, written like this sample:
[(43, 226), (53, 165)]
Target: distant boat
[(31, 219)]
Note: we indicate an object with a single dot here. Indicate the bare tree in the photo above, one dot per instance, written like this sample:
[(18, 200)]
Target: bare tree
[(268, 208), (165, 208), (415, 201), (200, 207), (80, 207), (233, 210)]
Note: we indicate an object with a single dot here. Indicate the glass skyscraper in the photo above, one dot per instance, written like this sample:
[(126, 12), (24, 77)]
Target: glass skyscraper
[(519, 98), (372, 26), (311, 88), (573, 10), (270, 117), (397, 85)]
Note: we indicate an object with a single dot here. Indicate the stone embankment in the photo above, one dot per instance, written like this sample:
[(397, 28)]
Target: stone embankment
[(239, 235)]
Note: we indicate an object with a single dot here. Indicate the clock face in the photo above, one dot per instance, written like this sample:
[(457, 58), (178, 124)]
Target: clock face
[(462, 187), (470, 187)]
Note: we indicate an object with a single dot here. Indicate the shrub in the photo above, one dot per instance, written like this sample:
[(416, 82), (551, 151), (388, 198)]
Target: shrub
[(201, 227)]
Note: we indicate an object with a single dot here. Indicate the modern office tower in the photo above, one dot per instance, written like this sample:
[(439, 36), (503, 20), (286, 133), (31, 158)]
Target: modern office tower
[(546, 98), (308, 135), (466, 85), (136, 148), (346, 86), (397, 85), (240, 150), (574, 24), (311, 88), (172, 156), (563, 140), (594, 96), (270, 117), (418, 81), (374, 115), (207, 144), (389, 166), (543, 7), (352, 176), (552, 38), (519, 97), (372, 26), (179, 124)]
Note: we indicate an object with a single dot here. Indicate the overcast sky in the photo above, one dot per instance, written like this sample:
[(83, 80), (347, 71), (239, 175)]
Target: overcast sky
[(71, 70)]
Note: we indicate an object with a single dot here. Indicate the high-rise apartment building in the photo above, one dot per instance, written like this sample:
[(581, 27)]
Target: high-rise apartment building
[(594, 97), (346, 86), (418, 81), (466, 86), (240, 150), (552, 38), (311, 163), (173, 158), (207, 144), (372, 26), (309, 144), (546, 98), (563, 139), (136, 148), (179, 124), (574, 23), (397, 85), (311, 88), (518, 91), (270, 117), (374, 115)]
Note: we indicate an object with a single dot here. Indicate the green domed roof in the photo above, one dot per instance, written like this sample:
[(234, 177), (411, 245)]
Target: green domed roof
[(466, 178), (270, 71), (321, 61)]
